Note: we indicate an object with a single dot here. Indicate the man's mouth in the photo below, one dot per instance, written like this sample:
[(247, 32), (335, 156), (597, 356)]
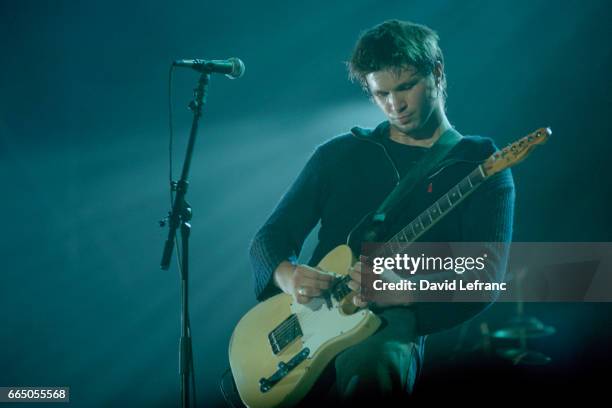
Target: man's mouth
[(403, 117)]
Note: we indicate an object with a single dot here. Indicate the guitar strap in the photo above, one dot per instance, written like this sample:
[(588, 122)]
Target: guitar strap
[(428, 162)]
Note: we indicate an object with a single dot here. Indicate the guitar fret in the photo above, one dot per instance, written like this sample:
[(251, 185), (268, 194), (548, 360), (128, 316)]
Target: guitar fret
[(450, 203), (436, 213), (481, 172), (444, 204), (473, 177), (476, 177), (425, 223), (409, 235), (453, 197), (431, 211), (465, 186)]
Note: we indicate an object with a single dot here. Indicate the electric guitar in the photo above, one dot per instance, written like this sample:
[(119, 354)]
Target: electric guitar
[(280, 347)]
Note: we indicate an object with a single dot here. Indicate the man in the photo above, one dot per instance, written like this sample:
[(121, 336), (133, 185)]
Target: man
[(401, 67)]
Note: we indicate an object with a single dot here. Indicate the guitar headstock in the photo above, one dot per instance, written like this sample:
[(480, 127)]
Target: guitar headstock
[(515, 152)]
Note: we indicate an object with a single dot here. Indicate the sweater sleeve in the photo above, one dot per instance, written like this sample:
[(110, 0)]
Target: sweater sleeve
[(283, 234), (486, 218)]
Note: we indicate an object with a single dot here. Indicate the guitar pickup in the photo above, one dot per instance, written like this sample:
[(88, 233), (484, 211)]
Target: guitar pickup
[(284, 334)]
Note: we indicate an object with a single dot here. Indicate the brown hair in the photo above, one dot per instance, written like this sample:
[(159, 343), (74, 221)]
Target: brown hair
[(394, 45)]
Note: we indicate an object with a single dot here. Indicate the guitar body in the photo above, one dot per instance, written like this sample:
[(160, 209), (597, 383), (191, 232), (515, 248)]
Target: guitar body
[(325, 332)]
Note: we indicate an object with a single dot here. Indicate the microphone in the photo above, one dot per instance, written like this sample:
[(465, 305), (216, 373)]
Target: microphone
[(232, 67)]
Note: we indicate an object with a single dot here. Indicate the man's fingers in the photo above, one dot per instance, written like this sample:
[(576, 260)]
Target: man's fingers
[(319, 283), (313, 283), (313, 274), (302, 299), (355, 274), (308, 291), (324, 275), (358, 301)]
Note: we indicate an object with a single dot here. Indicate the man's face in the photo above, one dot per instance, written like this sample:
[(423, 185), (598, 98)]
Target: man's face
[(406, 97)]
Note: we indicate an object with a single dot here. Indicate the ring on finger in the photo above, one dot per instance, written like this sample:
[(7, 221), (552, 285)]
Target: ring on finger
[(302, 291)]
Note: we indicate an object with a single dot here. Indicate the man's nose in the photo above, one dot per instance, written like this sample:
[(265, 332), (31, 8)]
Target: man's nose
[(396, 103)]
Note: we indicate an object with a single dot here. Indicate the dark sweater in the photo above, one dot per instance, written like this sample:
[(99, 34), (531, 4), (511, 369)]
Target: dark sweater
[(349, 176)]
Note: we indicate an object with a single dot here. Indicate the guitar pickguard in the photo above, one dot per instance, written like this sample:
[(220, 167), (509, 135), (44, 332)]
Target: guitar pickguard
[(324, 324)]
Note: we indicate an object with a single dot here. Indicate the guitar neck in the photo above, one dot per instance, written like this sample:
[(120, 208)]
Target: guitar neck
[(435, 212)]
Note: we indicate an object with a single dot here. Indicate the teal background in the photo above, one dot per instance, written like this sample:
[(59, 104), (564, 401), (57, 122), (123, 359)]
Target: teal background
[(84, 166)]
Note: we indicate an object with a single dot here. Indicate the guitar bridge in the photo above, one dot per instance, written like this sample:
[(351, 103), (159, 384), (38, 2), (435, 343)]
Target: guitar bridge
[(265, 384)]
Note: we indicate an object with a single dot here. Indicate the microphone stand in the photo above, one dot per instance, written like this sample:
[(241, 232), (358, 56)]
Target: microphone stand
[(180, 215)]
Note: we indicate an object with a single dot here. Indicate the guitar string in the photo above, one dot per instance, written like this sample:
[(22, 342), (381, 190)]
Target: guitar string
[(283, 329), (308, 318), (304, 320)]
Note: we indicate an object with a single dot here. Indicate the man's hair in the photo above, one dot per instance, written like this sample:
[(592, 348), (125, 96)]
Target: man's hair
[(393, 45)]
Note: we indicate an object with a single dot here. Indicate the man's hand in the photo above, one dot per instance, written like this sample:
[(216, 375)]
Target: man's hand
[(355, 285), (301, 281), (394, 299)]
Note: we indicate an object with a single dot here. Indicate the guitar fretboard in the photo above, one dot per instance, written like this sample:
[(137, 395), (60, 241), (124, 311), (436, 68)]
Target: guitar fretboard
[(434, 213)]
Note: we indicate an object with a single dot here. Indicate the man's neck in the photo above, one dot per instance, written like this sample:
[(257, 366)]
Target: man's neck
[(426, 136)]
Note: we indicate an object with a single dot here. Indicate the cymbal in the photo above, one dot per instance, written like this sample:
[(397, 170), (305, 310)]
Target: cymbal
[(526, 327)]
